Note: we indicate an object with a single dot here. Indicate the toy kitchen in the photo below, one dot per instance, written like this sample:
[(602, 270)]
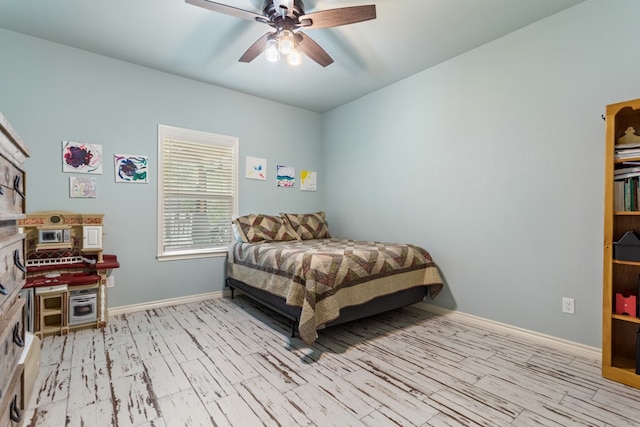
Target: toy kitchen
[(67, 272)]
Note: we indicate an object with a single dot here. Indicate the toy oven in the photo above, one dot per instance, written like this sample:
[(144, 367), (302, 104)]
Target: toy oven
[(83, 306)]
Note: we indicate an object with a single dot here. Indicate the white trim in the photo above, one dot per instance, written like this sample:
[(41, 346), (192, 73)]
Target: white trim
[(126, 309), (165, 133), (570, 346), (194, 255)]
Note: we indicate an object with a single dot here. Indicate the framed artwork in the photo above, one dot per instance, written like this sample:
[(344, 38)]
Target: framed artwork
[(83, 187), (131, 168), (256, 168), (78, 157), (308, 181), (286, 176)]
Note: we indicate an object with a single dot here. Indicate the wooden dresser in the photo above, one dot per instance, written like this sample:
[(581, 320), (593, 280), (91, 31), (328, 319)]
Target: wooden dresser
[(13, 153)]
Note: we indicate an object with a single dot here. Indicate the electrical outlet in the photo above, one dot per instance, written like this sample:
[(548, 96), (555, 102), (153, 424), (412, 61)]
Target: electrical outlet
[(568, 305), (111, 281)]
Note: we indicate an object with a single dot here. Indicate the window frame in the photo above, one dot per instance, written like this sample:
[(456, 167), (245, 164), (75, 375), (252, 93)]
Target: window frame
[(197, 137)]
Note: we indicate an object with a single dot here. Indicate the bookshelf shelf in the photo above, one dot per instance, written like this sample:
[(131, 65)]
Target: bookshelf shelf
[(630, 159), (621, 214), (623, 262), (624, 318)]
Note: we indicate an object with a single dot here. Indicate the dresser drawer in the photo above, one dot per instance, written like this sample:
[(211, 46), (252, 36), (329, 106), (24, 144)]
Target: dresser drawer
[(11, 344), (11, 409), (11, 188), (12, 270), (11, 145), (8, 228), (11, 176)]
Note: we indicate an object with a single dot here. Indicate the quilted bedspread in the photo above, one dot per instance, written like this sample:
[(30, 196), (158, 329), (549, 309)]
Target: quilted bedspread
[(324, 275)]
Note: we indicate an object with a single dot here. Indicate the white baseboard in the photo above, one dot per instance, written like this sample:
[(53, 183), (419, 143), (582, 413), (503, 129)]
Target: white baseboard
[(125, 309), (570, 346)]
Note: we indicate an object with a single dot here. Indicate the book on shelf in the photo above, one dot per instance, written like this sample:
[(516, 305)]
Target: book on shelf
[(622, 151), (626, 195), (627, 155), (618, 196), (624, 170), (626, 146), (627, 172)]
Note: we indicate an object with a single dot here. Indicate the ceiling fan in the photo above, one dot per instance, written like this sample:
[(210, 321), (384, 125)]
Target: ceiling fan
[(286, 17)]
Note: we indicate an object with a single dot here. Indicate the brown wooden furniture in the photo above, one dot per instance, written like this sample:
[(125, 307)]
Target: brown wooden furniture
[(13, 153), (619, 331)]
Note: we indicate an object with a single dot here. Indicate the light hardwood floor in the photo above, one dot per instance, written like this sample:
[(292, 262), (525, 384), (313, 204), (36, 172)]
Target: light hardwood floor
[(228, 363)]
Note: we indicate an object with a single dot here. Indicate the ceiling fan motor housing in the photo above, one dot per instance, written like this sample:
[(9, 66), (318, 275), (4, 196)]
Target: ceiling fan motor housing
[(275, 9)]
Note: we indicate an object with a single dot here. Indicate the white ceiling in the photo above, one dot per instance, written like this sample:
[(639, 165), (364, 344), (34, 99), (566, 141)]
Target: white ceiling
[(408, 36)]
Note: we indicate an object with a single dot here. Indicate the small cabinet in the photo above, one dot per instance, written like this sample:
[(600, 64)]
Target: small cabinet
[(51, 310), (92, 237)]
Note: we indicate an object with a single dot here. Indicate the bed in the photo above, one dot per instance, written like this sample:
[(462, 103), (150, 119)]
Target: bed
[(292, 264)]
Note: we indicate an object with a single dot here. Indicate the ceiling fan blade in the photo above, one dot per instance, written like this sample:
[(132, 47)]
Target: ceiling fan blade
[(228, 10), (312, 49), (255, 49), (340, 16)]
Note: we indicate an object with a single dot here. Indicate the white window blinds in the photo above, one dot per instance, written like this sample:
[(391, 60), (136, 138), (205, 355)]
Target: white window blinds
[(197, 195)]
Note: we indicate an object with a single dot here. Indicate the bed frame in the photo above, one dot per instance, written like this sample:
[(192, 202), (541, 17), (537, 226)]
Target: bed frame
[(375, 306)]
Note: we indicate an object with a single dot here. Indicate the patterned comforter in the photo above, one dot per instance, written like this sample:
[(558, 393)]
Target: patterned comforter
[(324, 275)]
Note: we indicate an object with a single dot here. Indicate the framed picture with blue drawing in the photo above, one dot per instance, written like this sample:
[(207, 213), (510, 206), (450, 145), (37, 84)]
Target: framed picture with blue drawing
[(131, 168)]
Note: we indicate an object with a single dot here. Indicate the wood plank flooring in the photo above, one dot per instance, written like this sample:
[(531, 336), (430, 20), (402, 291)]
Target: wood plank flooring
[(227, 362)]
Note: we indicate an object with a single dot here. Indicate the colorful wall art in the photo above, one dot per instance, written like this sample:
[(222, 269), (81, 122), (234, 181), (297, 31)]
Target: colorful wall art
[(84, 187), (256, 168), (131, 168), (286, 176), (308, 181), (78, 157)]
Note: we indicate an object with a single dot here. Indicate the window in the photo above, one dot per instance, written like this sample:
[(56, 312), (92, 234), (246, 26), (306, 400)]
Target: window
[(197, 192)]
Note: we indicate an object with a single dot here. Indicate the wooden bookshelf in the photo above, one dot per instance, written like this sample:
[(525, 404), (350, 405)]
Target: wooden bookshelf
[(619, 331)]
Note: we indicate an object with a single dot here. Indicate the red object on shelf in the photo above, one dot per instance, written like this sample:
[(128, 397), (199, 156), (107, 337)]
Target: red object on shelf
[(88, 276), (71, 279), (108, 262), (626, 303)]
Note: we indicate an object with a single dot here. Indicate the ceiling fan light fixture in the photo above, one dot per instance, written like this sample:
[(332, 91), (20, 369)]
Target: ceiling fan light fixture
[(271, 53), (294, 57), (285, 42), (285, 17)]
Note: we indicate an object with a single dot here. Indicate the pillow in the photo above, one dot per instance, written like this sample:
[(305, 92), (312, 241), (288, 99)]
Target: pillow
[(237, 235), (308, 226), (257, 228)]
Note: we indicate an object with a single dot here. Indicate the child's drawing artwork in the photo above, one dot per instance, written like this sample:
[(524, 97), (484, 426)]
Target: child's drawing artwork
[(82, 187), (256, 168), (308, 181), (286, 176), (131, 168), (78, 157)]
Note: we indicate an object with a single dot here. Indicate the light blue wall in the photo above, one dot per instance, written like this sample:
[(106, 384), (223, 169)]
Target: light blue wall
[(494, 162), (51, 93)]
